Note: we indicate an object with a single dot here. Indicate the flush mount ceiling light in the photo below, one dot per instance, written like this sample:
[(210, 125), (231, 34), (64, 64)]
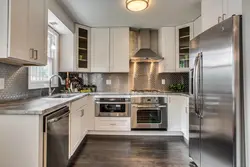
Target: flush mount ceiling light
[(137, 5)]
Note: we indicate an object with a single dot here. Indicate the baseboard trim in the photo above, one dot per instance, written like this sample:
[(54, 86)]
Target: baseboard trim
[(136, 133)]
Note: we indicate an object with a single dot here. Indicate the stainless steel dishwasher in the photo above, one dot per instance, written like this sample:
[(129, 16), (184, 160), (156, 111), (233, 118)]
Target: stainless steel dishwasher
[(56, 138)]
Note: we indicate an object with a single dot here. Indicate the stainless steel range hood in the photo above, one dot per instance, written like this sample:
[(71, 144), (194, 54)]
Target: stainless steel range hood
[(145, 54)]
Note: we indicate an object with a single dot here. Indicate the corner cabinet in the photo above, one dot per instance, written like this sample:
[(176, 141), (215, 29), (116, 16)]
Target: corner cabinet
[(82, 44), (23, 32), (184, 34)]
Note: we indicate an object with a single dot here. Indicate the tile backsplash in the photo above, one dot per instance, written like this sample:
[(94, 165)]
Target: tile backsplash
[(16, 83), (141, 76)]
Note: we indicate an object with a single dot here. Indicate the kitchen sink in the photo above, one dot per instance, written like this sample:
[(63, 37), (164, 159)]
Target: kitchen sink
[(61, 96)]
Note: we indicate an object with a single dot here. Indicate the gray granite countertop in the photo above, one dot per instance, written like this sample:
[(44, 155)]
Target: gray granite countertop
[(38, 106), (45, 105)]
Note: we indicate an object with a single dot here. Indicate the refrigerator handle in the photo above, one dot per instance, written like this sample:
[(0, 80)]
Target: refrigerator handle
[(197, 84), (196, 69)]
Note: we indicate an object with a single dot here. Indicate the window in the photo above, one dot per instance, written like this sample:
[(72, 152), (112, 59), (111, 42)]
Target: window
[(39, 76)]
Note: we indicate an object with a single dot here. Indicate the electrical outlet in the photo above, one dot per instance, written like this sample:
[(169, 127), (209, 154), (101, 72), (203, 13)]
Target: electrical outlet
[(163, 81), (2, 83), (108, 82)]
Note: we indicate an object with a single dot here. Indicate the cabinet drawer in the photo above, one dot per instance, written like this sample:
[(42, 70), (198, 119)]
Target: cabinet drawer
[(78, 104), (112, 124)]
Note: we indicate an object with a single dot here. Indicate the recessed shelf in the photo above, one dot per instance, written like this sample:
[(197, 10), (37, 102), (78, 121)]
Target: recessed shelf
[(83, 38), (184, 59), (83, 60), (185, 36), (82, 48), (183, 48)]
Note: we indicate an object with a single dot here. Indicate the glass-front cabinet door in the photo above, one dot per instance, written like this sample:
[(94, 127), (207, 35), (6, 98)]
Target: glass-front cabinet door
[(184, 34), (82, 48)]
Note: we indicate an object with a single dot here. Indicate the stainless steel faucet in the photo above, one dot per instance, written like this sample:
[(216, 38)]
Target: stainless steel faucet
[(50, 81)]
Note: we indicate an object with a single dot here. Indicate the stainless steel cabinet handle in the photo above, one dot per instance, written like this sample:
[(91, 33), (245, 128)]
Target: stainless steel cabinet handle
[(219, 19), (113, 124), (224, 16), (82, 113), (31, 53), (36, 54)]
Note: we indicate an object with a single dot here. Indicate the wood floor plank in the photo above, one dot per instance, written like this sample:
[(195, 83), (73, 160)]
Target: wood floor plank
[(120, 151)]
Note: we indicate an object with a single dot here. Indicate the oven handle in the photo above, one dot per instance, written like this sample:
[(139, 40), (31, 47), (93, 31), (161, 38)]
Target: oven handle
[(112, 102), (149, 108), (161, 106)]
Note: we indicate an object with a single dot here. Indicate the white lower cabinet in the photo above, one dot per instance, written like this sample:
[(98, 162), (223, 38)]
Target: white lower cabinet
[(81, 120), (112, 124), (75, 130), (178, 116)]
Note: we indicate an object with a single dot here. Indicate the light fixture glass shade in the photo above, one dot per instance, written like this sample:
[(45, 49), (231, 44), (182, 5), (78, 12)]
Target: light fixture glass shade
[(137, 5)]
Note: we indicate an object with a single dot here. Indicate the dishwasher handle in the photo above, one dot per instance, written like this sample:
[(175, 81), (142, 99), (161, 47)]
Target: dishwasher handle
[(58, 118)]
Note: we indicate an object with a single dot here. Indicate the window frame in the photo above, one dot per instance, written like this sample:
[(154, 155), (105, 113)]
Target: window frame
[(45, 84)]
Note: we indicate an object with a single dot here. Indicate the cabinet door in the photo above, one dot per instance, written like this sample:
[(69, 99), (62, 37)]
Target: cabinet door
[(185, 117), (197, 27), (167, 49), (38, 29), (82, 43), (176, 107), (211, 10), (119, 50), (100, 50), (90, 113), (184, 34), (75, 130), (84, 121), (19, 30), (232, 7), (4, 29)]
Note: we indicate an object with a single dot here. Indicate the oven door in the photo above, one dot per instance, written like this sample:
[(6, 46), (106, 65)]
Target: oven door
[(149, 117), (112, 109)]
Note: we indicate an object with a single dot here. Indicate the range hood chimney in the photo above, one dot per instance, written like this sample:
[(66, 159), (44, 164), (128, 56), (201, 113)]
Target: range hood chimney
[(145, 53)]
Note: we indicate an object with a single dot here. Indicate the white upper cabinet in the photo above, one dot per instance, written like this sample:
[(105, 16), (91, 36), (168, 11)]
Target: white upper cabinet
[(211, 12), (215, 11), (167, 49), (232, 7), (119, 50), (38, 29), (67, 59), (110, 50), (23, 32), (83, 49), (100, 50), (184, 34), (197, 27)]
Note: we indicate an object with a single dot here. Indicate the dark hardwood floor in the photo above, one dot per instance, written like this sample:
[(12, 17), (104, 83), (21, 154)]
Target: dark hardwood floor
[(121, 151)]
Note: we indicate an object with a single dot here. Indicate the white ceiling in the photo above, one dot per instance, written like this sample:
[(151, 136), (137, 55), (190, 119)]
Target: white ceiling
[(112, 13)]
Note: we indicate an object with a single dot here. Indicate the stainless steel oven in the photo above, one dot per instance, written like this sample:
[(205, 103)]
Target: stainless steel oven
[(112, 107), (149, 113)]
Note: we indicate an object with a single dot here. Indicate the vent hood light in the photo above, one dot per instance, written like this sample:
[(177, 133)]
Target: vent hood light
[(137, 5)]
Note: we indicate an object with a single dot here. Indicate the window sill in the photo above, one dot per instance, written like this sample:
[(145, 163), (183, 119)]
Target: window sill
[(41, 85)]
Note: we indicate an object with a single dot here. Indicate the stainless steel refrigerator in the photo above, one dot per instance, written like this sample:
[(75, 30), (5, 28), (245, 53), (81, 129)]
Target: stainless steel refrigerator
[(216, 97)]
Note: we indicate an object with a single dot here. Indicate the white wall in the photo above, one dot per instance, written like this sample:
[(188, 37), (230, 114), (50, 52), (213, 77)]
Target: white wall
[(56, 9), (246, 57)]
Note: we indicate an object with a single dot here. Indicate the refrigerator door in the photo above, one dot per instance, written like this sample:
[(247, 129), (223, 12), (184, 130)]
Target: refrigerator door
[(218, 123), (194, 120)]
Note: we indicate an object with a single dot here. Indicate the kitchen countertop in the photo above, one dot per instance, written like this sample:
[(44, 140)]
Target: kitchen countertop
[(45, 105), (37, 106)]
